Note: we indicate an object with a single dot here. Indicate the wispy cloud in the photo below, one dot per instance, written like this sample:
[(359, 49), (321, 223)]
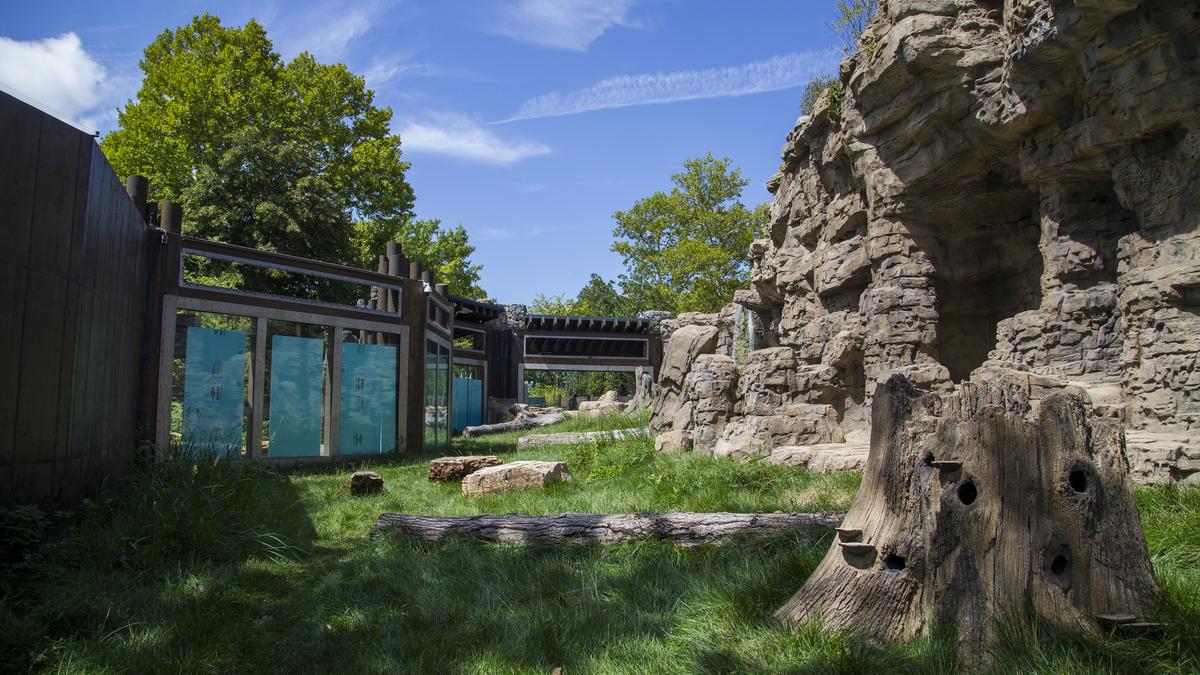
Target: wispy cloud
[(387, 68), (459, 136), (560, 24), (325, 29), (57, 73), (498, 233), (778, 72)]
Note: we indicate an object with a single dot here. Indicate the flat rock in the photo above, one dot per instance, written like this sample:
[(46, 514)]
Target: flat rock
[(822, 457), (520, 475), (365, 483), (454, 468)]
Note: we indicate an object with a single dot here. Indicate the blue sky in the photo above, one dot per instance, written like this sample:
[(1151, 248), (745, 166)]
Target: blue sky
[(530, 122)]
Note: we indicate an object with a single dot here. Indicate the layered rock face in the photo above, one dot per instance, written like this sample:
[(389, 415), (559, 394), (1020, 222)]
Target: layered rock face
[(1009, 183)]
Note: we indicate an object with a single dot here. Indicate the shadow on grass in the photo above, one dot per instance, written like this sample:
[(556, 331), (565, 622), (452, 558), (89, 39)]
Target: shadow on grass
[(193, 568)]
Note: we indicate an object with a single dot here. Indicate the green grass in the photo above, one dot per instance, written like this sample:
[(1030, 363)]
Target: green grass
[(219, 568)]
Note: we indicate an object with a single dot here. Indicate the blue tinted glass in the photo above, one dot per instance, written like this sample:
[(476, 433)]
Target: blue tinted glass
[(297, 396), (368, 415), (213, 391)]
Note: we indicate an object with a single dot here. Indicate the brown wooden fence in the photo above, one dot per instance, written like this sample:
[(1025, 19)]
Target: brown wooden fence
[(73, 275)]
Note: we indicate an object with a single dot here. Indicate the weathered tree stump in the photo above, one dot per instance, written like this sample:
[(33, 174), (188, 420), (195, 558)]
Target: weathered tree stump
[(684, 529), (983, 505), (364, 483), (523, 420)]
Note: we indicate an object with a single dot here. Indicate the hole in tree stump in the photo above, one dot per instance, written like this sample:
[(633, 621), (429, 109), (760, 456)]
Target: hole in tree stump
[(1077, 479), (894, 563), (967, 493), (1060, 566), (928, 459)]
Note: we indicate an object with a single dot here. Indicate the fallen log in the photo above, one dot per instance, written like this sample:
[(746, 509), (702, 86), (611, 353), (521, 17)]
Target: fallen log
[(684, 529), (580, 437), (523, 421)]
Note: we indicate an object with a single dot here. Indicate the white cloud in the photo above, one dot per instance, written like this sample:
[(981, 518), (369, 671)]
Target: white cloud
[(56, 73), (561, 24), (496, 233), (459, 136), (326, 29), (778, 72), (387, 68)]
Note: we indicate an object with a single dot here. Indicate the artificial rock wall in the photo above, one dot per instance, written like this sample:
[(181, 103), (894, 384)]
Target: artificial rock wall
[(1015, 183)]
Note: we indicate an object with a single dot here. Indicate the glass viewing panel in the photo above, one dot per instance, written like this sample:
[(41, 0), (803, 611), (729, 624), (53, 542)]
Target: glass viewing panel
[(368, 399), (467, 400), (210, 377), (296, 397), (437, 394)]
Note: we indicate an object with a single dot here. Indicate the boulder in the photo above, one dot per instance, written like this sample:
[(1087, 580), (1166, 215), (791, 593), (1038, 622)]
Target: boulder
[(455, 468), (365, 483), (520, 475), (685, 345)]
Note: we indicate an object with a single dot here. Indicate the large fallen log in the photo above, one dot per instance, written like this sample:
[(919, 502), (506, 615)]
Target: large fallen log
[(522, 421), (684, 529), (580, 437)]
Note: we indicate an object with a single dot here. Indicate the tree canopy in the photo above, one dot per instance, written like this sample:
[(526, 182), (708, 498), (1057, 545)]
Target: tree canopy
[(277, 155), (686, 249)]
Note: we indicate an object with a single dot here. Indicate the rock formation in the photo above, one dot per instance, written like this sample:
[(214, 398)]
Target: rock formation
[(991, 183)]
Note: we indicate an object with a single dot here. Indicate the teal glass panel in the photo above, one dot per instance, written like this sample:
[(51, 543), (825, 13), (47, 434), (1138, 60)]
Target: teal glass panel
[(297, 396), (214, 380), (466, 404), (368, 414)]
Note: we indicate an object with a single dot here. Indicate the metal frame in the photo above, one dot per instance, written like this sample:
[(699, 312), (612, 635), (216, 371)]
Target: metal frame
[(173, 304), (522, 367), (644, 340)]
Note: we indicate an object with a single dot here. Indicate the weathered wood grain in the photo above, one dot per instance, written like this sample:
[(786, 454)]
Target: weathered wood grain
[(684, 529)]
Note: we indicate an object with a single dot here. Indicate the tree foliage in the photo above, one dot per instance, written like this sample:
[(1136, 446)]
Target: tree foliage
[(277, 155), (850, 21), (685, 250), (446, 252)]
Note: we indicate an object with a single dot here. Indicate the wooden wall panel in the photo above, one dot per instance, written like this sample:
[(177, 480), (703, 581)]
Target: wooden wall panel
[(72, 290)]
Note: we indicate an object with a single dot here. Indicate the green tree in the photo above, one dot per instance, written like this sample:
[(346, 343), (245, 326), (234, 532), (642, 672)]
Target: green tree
[(685, 250), (601, 298), (446, 252), (558, 305), (277, 155)]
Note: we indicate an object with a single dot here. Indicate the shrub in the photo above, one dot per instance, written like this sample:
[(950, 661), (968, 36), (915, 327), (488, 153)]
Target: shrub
[(813, 91)]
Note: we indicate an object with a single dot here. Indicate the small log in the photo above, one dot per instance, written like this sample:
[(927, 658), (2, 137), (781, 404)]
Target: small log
[(522, 421), (684, 529)]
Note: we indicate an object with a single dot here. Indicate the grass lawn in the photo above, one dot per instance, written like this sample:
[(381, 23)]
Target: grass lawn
[(222, 568)]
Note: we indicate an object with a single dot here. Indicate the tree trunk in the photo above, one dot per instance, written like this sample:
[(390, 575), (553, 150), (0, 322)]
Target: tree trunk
[(1006, 498), (523, 421), (684, 529)]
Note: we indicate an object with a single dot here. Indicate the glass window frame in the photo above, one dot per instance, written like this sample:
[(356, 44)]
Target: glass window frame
[(341, 329)]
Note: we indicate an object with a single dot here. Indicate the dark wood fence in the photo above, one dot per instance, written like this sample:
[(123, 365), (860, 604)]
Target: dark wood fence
[(73, 283)]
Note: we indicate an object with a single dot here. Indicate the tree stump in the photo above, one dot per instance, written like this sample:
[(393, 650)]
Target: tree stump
[(1004, 500)]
